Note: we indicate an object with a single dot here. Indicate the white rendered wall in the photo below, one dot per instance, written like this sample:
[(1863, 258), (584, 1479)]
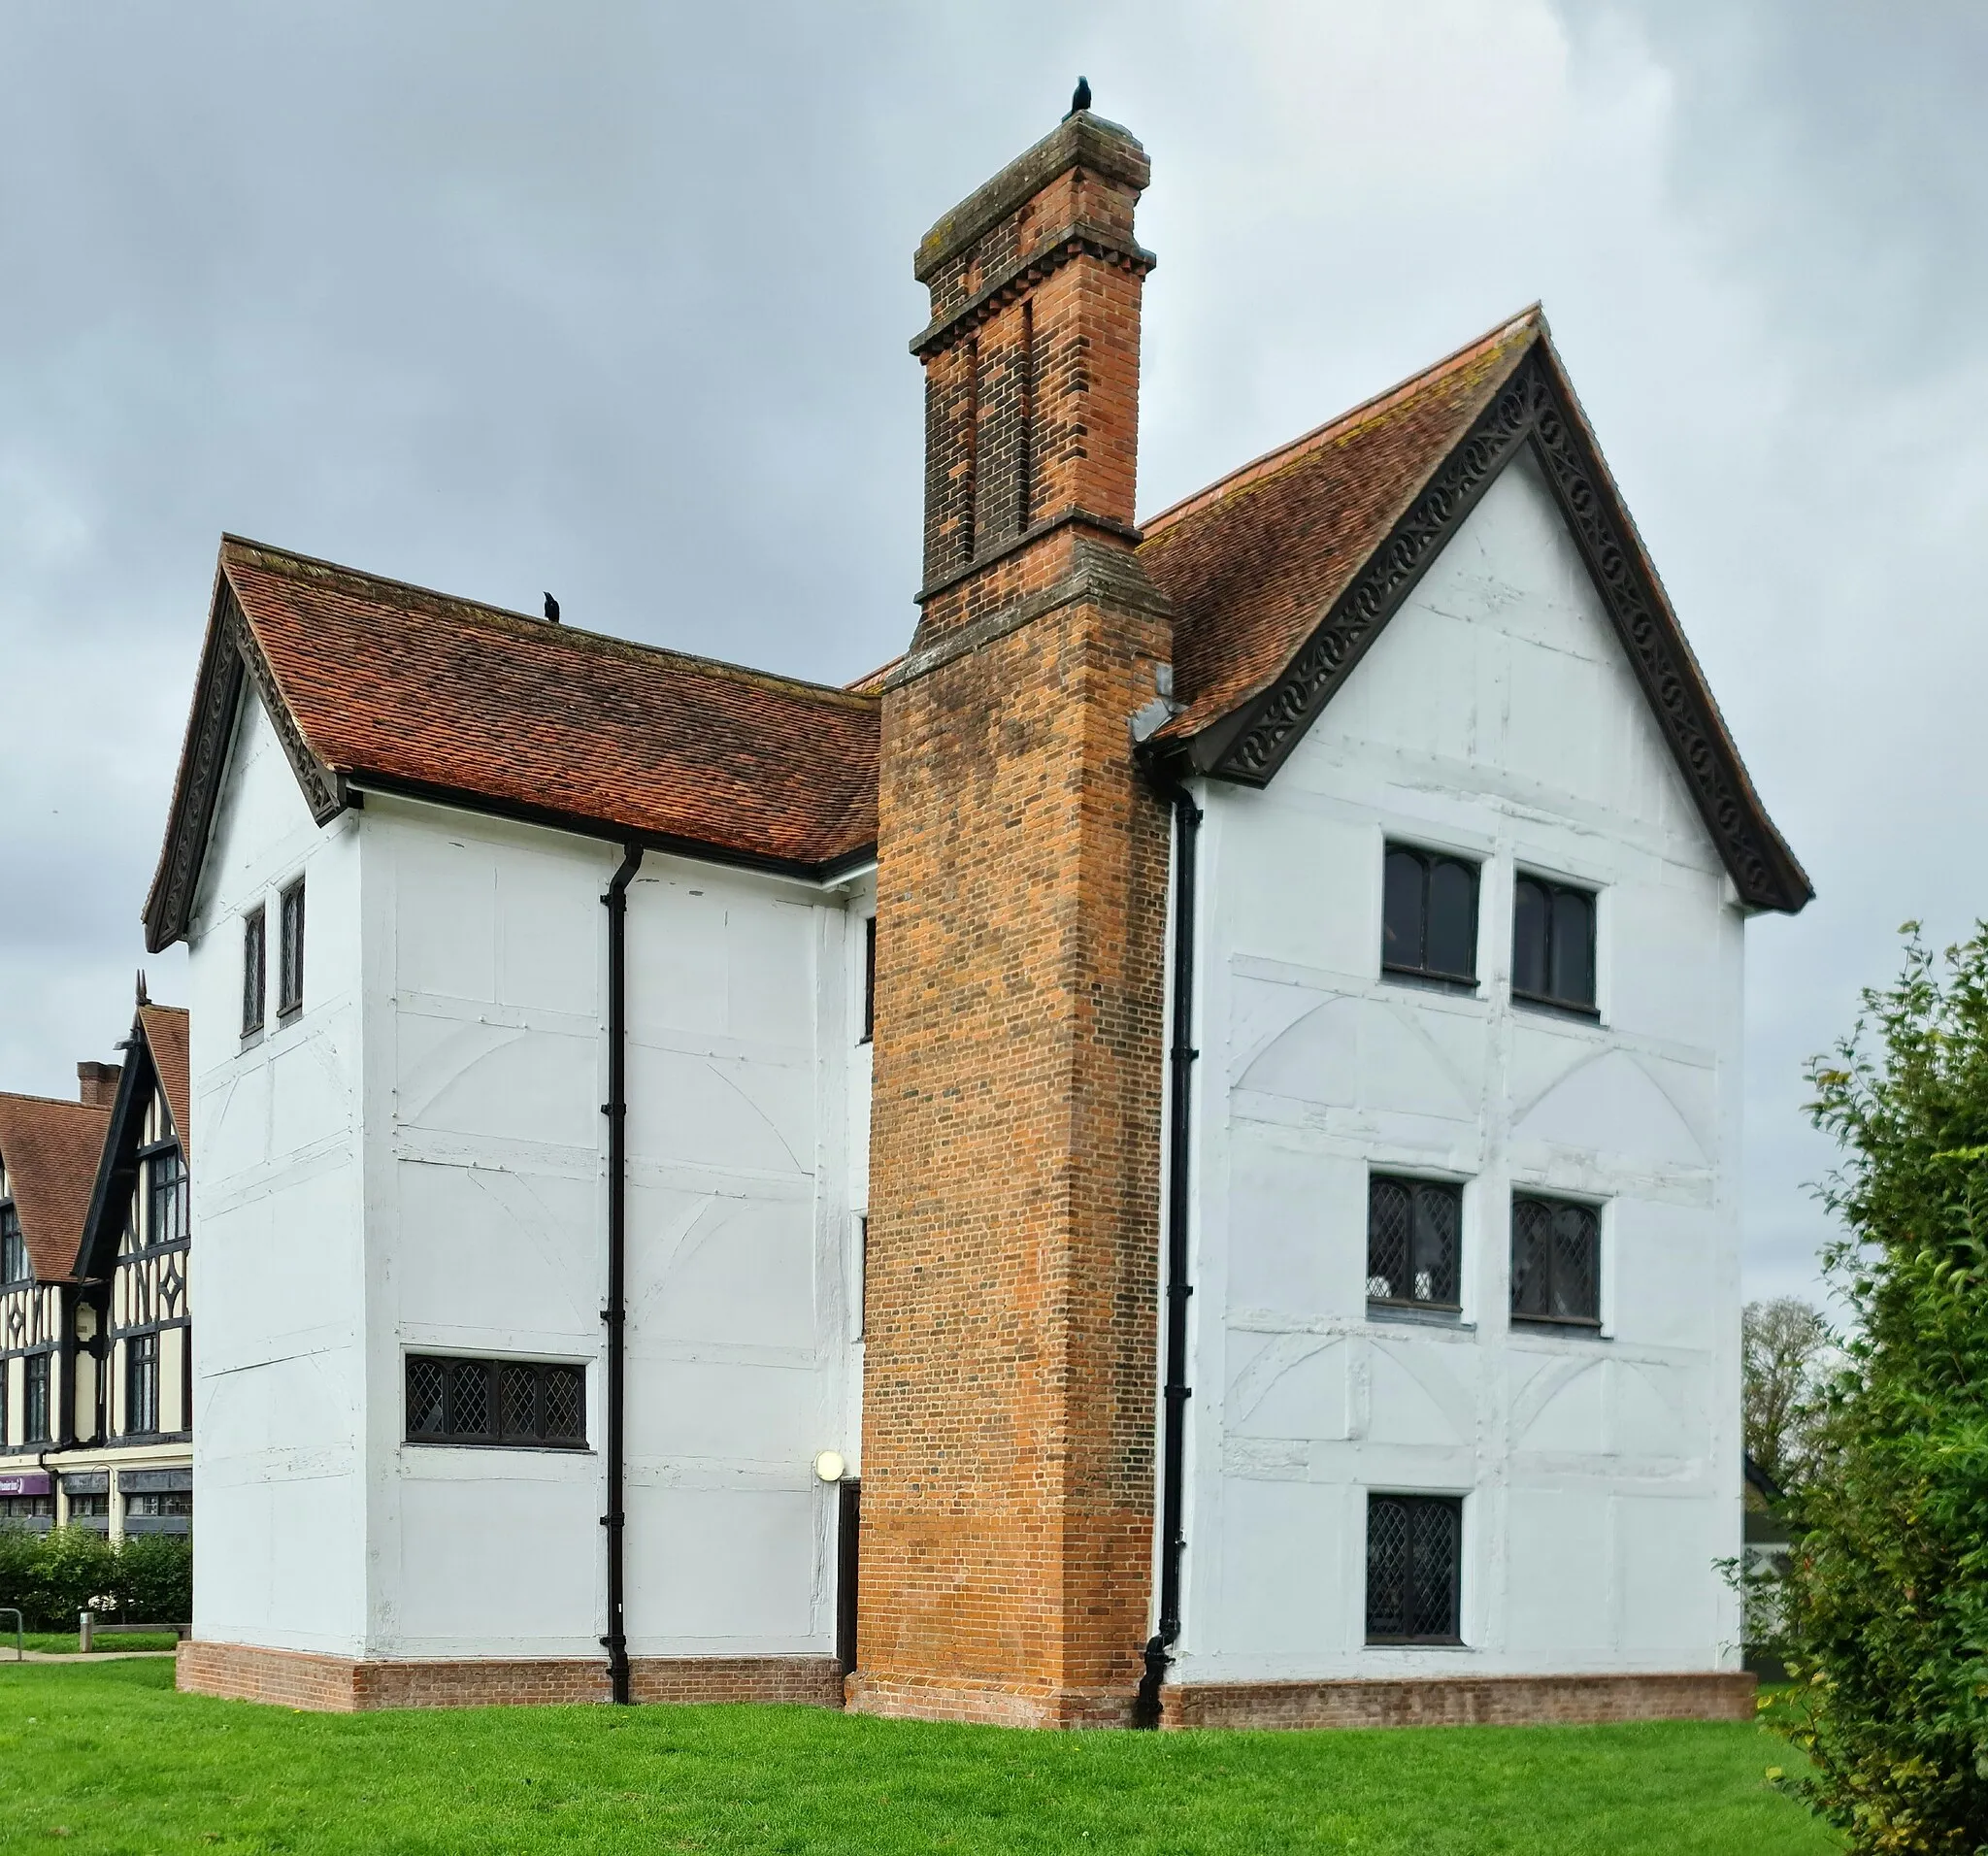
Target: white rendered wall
[(486, 1235), (278, 1386), (1497, 716)]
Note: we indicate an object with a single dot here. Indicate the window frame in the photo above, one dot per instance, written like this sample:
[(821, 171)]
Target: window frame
[(1416, 1186), (176, 1190), (868, 980), (15, 1264), (495, 1365), (141, 1384), (1431, 858), (1557, 1203), (1553, 887), (254, 969), (38, 1397), (1422, 1505), (291, 950)]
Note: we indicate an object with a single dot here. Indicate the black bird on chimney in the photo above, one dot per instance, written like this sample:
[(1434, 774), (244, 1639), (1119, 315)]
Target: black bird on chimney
[(551, 609), (1081, 98)]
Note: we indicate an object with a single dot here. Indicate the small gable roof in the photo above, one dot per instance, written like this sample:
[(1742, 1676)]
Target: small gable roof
[(155, 1057), (51, 1150), (164, 1029), (1282, 574), (375, 684)]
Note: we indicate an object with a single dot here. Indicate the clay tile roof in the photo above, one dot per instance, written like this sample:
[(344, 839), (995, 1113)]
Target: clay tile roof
[(1252, 561), (165, 1033), (412, 686), (50, 1151)]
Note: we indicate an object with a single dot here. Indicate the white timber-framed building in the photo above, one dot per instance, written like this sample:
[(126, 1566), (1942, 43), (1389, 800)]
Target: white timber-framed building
[(563, 1284)]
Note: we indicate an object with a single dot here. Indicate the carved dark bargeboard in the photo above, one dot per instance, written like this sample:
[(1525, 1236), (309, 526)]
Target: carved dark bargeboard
[(1532, 408)]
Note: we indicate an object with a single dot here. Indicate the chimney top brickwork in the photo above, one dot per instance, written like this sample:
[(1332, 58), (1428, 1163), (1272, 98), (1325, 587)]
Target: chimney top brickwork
[(96, 1083), (1009, 1399)]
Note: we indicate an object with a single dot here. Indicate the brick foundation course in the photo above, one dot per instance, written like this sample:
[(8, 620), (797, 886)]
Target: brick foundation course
[(1463, 1700), (345, 1685)]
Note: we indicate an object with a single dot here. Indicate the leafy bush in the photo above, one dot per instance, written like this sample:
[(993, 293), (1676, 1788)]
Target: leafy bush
[(154, 1582), (1886, 1602), (54, 1575), (75, 1567)]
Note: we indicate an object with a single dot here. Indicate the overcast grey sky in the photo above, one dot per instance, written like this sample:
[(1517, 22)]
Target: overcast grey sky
[(613, 298)]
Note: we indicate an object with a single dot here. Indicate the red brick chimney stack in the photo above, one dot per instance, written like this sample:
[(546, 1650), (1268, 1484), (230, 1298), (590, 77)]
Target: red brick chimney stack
[(1010, 1414), (96, 1083)]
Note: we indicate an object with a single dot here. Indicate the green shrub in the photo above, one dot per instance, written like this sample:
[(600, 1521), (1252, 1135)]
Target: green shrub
[(54, 1575), (19, 1552), (156, 1579), (1885, 1605), (75, 1567)]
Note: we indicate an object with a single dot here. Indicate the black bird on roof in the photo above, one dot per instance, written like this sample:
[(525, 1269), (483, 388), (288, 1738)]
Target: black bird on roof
[(551, 609), (1081, 98)]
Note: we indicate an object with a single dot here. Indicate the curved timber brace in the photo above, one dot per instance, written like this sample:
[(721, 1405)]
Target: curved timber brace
[(615, 1313)]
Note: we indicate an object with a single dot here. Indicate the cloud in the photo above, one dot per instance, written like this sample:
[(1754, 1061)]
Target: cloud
[(614, 301)]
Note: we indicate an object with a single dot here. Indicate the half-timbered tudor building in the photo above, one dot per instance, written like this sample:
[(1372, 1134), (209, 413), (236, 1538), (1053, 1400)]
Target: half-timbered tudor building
[(1207, 1090), (49, 1153), (130, 1460)]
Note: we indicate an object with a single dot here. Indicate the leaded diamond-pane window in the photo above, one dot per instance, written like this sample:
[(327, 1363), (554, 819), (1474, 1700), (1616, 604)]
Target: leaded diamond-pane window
[(495, 1402), (1414, 1560), (170, 1186), (1413, 1241), (1556, 1261)]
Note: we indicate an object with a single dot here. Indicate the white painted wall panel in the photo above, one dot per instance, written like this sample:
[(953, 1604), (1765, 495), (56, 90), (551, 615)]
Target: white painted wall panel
[(279, 1385), (1496, 716)]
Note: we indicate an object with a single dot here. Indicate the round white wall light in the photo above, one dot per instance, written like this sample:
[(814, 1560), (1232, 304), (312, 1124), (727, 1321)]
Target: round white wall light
[(830, 1466)]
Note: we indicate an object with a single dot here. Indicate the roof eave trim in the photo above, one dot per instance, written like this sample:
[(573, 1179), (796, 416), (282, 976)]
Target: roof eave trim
[(608, 831), (230, 657), (1531, 407), (114, 1167)]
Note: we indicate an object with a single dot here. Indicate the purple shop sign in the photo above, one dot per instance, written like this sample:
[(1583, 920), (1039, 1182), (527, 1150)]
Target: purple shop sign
[(23, 1482)]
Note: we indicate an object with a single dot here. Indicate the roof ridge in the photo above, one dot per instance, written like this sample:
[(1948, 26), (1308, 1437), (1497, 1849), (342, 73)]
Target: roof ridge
[(52, 1102), (1262, 465), (579, 636)]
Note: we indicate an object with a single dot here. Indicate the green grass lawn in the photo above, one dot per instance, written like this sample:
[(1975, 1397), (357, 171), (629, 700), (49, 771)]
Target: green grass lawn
[(63, 1642), (107, 1758)]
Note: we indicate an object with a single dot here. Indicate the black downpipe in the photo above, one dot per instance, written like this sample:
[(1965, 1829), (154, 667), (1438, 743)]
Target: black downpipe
[(1180, 1059), (615, 1313)]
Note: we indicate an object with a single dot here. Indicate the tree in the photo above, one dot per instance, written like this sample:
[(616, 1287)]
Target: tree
[(1784, 1346), (1886, 1599)]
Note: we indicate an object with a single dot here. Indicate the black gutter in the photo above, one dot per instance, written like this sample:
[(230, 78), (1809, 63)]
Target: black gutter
[(1180, 1059), (583, 825), (615, 1313)]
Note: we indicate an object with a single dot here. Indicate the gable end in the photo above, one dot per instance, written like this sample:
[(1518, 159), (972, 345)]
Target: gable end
[(232, 657), (1533, 408)]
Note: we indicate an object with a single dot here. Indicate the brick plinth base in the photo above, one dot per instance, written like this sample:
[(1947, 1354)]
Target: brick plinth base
[(339, 1684), (985, 1704), (1461, 1700)]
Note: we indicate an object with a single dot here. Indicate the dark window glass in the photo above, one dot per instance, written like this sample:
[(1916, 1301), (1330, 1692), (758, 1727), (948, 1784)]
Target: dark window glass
[(13, 1245), (290, 977), (1554, 943), (1413, 1232), (141, 1384), (86, 1508), (255, 969), (495, 1402), (1414, 1558), (1429, 915), (38, 1400), (169, 1190), (869, 978), (1556, 1261)]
